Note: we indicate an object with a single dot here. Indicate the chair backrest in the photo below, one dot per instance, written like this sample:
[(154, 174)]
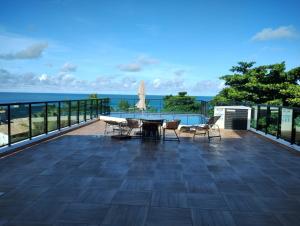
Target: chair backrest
[(133, 123), (213, 120), (172, 124), (113, 123)]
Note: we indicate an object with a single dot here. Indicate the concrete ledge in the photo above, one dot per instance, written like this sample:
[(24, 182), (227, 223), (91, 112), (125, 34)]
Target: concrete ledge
[(16, 147), (277, 140)]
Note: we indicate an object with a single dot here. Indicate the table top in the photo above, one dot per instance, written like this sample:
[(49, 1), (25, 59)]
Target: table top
[(158, 122)]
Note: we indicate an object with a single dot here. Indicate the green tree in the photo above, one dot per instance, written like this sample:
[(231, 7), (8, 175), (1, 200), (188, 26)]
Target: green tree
[(93, 96), (181, 103), (123, 105), (267, 84)]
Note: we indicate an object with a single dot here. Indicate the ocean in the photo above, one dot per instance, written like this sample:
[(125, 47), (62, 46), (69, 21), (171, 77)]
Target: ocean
[(18, 97)]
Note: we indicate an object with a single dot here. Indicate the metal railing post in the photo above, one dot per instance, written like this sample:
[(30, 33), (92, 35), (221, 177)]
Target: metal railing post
[(97, 106), (293, 132), (279, 122), (8, 124), (85, 110), (69, 114), (100, 106), (78, 111), (268, 119), (30, 121), (91, 109), (258, 116), (46, 118), (59, 115)]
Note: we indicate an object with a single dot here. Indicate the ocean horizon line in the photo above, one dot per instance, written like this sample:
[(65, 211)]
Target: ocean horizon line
[(88, 93)]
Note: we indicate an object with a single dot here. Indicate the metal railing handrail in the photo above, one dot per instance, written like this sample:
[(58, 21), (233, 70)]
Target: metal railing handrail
[(50, 101)]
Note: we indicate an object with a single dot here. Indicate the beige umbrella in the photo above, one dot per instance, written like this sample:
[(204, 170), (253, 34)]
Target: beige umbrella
[(141, 104)]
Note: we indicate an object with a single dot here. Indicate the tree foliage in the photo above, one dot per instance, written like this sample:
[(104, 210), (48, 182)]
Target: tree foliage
[(93, 96), (123, 105), (267, 84), (181, 103)]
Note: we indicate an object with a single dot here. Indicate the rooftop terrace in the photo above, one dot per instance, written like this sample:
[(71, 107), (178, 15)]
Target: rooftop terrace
[(86, 178)]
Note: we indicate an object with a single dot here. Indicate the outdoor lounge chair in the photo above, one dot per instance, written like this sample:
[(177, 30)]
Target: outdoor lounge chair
[(111, 124), (133, 124), (210, 128), (171, 125)]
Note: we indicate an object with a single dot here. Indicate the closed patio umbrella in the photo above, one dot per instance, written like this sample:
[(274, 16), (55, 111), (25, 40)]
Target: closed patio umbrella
[(141, 104)]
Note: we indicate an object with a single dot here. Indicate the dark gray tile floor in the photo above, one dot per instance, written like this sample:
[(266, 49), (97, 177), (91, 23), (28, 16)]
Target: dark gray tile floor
[(84, 178)]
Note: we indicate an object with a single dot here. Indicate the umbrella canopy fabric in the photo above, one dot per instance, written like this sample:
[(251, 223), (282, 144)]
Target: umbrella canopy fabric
[(141, 104)]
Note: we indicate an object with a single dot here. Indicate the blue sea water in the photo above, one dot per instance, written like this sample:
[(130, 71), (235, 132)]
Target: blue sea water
[(16, 97)]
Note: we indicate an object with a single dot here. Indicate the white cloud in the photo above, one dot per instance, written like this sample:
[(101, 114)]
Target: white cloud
[(283, 32), (68, 67), (146, 60), (175, 83), (137, 64), (32, 52), (131, 67), (156, 83), (211, 86), (64, 82), (43, 77), (179, 72)]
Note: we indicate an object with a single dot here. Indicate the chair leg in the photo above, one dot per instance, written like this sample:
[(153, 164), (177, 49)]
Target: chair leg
[(176, 135), (208, 136), (219, 132), (105, 130), (129, 131)]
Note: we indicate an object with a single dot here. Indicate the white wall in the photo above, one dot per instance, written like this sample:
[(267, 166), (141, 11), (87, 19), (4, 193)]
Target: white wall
[(220, 111)]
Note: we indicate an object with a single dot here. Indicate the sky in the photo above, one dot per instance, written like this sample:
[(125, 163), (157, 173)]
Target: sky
[(96, 46)]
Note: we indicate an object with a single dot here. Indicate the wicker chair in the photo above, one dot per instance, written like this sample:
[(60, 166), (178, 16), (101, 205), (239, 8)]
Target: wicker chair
[(171, 125), (133, 124), (111, 124)]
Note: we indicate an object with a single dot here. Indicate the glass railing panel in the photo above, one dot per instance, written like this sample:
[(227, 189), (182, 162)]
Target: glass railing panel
[(122, 105), (100, 106), (286, 124), (113, 104), (19, 115), (273, 121), (3, 125), (52, 116), (153, 105), (253, 117), (74, 112), (88, 109), (262, 121), (94, 108), (106, 105), (64, 114), (38, 112), (81, 110)]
